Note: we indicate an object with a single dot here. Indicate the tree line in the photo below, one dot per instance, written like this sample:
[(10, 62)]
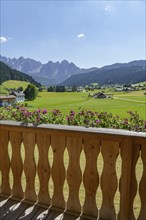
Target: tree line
[(61, 89), (6, 73)]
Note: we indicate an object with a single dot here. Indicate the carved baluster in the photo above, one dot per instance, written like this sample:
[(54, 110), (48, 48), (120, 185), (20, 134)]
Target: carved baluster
[(133, 184), (16, 163), (29, 165), (74, 175), (110, 151), (43, 143), (58, 171), (0, 162), (4, 162), (142, 187), (126, 155), (91, 177), (128, 182)]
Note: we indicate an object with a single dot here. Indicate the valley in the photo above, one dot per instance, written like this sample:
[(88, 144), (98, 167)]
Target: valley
[(118, 105)]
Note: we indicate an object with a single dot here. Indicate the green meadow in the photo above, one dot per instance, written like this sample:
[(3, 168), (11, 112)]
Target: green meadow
[(119, 104), (12, 84), (15, 84)]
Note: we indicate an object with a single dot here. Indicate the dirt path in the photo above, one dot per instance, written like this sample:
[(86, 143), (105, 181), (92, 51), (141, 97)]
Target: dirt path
[(131, 100)]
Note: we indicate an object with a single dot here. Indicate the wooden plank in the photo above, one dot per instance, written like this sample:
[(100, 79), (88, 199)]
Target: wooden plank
[(43, 143), (110, 151), (41, 214), (58, 171), (78, 129), (6, 207), (126, 155), (0, 161), (2, 200), (74, 175), (67, 216), (54, 215), (128, 182), (142, 186), (91, 177), (15, 211), (133, 183), (16, 164), (29, 165), (29, 212), (4, 162), (87, 218)]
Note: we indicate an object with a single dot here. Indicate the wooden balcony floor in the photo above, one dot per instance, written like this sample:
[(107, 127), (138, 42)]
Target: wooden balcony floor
[(11, 209)]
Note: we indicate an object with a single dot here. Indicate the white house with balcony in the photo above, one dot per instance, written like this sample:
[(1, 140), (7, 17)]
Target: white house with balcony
[(20, 97)]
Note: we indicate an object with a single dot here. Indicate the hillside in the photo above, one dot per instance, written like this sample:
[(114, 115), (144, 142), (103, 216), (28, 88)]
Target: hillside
[(12, 84), (6, 73), (118, 74)]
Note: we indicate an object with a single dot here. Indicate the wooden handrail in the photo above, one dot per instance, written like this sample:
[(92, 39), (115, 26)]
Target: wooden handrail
[(110, 143)]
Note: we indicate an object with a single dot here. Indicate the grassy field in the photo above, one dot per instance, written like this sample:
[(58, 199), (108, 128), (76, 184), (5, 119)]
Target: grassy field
[(15, 84), (119, 104), (12, 84)]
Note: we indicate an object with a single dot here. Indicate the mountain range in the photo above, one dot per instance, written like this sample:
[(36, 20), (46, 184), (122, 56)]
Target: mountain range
[(68, 74), (51, 73), (128, 73)]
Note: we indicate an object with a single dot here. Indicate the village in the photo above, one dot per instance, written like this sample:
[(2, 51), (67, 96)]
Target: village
[(94, 91)]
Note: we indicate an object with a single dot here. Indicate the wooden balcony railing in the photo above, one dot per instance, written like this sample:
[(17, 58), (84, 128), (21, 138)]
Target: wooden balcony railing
[(111, 145)]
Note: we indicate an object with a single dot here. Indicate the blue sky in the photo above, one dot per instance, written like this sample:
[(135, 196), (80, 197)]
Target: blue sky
[(88, 33)]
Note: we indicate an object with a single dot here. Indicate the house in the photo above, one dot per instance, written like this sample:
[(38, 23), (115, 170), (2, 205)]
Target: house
[(7, 100), (91, 88), (68, 89), (19, 96), (80, 89), (99, 95), (119, 89)]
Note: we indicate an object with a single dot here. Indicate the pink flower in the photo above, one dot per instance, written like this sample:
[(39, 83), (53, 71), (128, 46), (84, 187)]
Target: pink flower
[(72, 112), (44, 111), (38, 111)]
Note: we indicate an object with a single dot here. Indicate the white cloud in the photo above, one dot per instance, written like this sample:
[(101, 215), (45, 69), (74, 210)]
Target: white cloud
[(80, 35), (108, 8), (4, 39)]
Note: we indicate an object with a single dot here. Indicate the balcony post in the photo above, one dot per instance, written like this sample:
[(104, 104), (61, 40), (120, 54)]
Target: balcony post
[(16, 164), (43, 144), (4, 162), (128, 182), (29, 165), (142, 187)]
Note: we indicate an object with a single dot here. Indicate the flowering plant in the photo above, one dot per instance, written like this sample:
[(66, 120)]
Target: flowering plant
[(82, 118)]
